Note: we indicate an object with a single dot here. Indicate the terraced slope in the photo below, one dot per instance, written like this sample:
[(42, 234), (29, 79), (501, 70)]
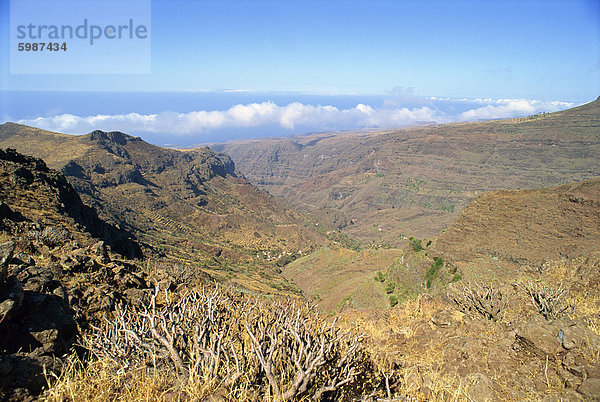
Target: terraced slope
[(187, 205), (384, 186)]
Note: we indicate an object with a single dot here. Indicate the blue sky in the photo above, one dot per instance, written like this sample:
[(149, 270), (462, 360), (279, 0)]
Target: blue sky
[(535, 50)]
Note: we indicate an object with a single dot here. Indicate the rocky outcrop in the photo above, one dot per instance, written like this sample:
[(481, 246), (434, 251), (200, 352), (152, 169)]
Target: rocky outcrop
[(568, 344), (55, 276), (44, 302), (28, 183), (131, 158), (37, 326)]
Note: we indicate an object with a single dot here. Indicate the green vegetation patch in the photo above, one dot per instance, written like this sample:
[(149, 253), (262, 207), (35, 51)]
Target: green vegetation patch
[(415, 244), (433, 271)]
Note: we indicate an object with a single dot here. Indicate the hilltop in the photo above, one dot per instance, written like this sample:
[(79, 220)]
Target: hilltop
[(386, 186), (188, 206)]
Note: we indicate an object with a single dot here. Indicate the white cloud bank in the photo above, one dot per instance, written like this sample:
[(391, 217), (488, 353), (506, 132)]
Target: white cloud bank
[(506, 108), (294, 116)]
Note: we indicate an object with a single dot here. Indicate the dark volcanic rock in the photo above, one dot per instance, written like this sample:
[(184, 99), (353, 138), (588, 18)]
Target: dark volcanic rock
[(26, 174), (54, 275), (36, 328), (42, 306), (6, 251)]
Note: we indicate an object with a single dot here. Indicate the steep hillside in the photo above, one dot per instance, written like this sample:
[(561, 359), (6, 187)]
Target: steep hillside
[(385, 186), (30, 189), (187, 205), (504, 233), (56, 274), (507, 237)]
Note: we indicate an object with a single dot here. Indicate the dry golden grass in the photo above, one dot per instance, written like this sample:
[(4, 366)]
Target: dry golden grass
[(585, 301), (413, 363), (586, 307), (98, 380), (101, 380), (54, 148), (4, 237)]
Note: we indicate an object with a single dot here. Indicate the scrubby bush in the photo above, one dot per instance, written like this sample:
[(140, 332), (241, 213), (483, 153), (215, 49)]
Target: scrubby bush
[(390, 287), (50, 236), (433, 270), (479, 299), (415, 244), (379, 277), (548, 301), (218, 342), (393, 300), (180, 274), (286, 259)]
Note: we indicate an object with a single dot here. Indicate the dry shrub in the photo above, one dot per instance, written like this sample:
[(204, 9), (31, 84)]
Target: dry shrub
[(180, 274), (215, 343), (547, 300), (50, 236), (481, 299)]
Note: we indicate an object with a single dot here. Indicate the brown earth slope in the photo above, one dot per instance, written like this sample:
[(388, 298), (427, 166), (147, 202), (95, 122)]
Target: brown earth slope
[(383, 186), (531, 258), (504, 231), (187, 205), (335, 278)]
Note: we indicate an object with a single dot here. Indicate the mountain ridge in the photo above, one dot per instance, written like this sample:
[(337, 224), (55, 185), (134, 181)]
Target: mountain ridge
[(382, 187), (187, 205)]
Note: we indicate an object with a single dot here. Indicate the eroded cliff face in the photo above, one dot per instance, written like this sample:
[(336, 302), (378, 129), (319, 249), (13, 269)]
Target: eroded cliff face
[(31, 187), (377, 186)]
